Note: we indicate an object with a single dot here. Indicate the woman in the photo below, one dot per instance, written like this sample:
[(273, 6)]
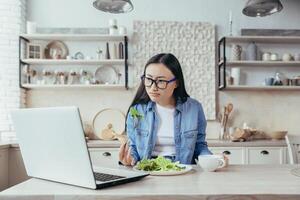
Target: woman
[(163, 120)]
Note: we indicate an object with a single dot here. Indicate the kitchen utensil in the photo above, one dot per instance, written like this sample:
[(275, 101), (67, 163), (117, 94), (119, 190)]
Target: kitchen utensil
[(269, 81), (274, 57), (277, 135), (287, 57), (266, 56), (56, 50), (210, 163), (228, 110), (106, 75)]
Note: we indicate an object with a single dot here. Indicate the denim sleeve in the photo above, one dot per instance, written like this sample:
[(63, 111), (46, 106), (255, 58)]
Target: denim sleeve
[(201, 145), (131, 138)]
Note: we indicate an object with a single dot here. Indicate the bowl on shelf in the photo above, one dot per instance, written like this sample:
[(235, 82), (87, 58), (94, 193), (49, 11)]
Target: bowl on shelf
[(277, 135)]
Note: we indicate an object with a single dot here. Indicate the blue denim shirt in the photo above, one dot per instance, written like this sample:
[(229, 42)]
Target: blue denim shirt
[(189, 131)]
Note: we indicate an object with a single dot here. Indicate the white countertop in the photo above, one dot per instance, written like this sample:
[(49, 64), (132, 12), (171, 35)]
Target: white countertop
[(259, 181), (211, 143)]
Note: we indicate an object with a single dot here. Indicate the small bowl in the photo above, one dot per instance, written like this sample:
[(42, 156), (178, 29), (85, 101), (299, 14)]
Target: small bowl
[(277, 135)]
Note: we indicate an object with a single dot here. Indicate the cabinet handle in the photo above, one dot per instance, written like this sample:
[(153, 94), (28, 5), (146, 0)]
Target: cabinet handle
[(264, 152), (106, 154), (226, 152)]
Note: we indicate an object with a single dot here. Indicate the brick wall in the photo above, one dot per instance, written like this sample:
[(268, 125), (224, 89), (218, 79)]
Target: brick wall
[(12, 23)]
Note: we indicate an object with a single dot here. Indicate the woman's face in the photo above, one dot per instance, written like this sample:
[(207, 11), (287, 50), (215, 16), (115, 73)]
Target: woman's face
[(160, 73)]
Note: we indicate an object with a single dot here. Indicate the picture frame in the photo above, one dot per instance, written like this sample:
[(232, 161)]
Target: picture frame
[(34, 51)]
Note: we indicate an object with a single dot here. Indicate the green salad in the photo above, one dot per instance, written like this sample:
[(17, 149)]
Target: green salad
[(159, 164)]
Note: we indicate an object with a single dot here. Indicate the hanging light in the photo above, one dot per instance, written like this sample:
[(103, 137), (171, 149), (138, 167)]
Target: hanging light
[(113, 6), (255, 8)]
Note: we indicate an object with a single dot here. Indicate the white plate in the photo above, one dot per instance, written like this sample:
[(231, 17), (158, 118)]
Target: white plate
[(168, 173), (106, 75)]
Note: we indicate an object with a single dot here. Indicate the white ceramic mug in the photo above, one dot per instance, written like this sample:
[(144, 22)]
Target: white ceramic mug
[(266, 56), (210, 163), (274, 57)]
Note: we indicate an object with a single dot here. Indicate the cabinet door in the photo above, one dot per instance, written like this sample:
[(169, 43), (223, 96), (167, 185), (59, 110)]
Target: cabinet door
[(266, 155), (3, 169), (236, 155), (17, 172), (104, 157)]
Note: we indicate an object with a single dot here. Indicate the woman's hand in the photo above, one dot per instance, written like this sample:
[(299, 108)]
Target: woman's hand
[(226, 160), (124, 155)]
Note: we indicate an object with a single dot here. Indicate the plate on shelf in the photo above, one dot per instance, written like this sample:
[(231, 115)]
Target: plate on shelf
[(56, 50), (186, 169), (107, 75)]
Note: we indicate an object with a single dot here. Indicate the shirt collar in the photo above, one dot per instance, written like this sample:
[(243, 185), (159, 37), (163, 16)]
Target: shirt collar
[(151, 105)]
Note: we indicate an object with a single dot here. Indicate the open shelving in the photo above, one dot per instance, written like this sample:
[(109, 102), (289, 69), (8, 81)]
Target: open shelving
[(26, 38), (223, 62)]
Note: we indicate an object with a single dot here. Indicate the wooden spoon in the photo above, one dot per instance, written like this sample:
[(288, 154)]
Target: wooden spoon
[(229, 108)]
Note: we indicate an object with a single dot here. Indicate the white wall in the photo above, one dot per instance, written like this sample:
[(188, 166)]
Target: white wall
[(266, 110), (12, 20)]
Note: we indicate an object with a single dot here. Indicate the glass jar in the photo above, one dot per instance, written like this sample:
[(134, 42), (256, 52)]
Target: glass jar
[(48, 77), (73, 77), (85, 77)]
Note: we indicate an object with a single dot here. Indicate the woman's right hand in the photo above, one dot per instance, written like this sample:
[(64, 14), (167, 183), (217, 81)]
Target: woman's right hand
[(124, 155)]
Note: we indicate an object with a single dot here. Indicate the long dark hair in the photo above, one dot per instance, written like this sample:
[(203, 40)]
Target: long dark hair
[(171, 62)]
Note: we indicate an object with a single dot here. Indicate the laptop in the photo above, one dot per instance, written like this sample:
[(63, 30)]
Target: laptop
[(53, 147)]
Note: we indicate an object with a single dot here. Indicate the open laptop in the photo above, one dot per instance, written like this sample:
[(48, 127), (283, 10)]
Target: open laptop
[(53, 147)]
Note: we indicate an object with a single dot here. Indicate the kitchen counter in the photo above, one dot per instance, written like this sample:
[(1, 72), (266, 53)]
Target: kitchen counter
[(234, 182), (211, 143)]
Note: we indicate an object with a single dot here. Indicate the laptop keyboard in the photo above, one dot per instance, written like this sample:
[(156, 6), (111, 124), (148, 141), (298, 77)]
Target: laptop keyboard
[(106, 177)]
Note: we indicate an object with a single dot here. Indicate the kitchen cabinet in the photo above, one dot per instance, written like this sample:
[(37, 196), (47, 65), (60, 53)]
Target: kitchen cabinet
[(3, 169), (236, 155), (108, 157), (266, 155), (30, 68), (264, 68), (253, 155), (17, 172)]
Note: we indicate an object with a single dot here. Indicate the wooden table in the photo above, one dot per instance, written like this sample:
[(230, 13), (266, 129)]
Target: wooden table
[(234, 182)]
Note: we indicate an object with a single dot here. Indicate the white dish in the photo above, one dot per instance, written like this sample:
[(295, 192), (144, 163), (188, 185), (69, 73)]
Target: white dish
[(106, 75), (168, 173)]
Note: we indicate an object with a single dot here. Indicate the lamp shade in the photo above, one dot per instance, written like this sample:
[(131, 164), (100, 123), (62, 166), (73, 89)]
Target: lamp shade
[(255, 8), (113, 6)]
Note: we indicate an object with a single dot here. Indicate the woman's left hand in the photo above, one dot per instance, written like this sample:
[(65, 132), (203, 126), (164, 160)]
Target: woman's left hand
[(226, 160)]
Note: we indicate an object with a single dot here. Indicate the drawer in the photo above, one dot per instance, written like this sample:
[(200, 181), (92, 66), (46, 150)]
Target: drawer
[(266, 155), (236, 155), (104, 157), (3, 169)]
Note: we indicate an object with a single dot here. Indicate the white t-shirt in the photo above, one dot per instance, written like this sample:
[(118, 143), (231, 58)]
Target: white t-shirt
[(165, 135)]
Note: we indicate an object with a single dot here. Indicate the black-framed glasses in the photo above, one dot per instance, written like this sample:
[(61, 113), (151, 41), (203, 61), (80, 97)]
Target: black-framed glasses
[(161, 84)]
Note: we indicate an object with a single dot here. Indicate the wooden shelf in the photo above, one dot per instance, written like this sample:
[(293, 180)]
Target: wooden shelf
[(74, 37), (111, 86), (245, 63), (248, 87), (263, 39), (71, 62)]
